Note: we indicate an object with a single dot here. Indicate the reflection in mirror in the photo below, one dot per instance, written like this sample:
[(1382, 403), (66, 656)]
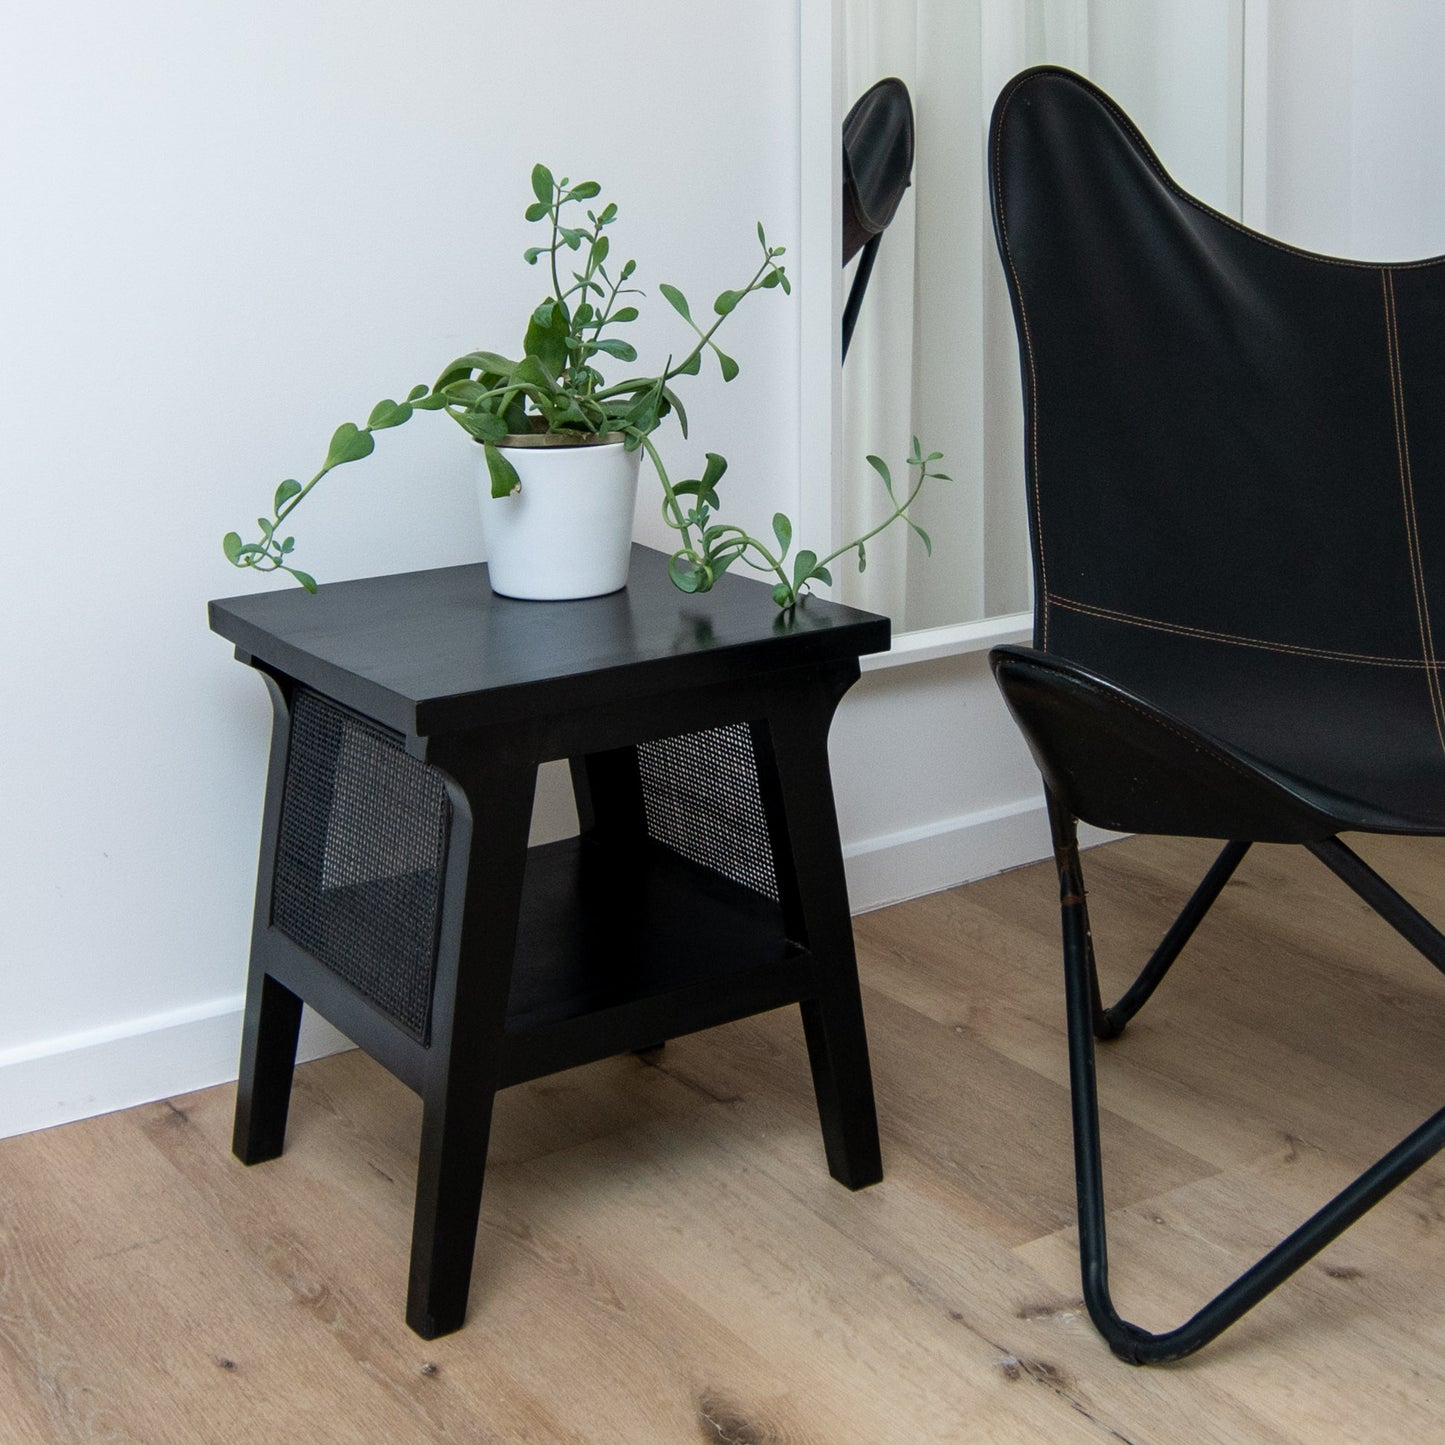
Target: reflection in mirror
[(934, 353)]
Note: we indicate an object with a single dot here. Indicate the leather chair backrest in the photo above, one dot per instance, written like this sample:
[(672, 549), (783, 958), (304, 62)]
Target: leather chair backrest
[(877, 161), (1228, 439)]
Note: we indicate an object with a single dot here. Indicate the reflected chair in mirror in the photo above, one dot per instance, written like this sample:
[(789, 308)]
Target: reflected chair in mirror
[(877, 164), (1234, 451)]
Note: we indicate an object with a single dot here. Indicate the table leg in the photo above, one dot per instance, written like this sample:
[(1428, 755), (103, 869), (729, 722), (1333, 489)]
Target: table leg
[(797, 790), (610, 810), (273, 1013), (268, 1061), (485, 868)]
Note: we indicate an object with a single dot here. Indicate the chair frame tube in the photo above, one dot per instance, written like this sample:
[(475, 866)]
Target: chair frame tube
[(1086, 1020), (866, 258)]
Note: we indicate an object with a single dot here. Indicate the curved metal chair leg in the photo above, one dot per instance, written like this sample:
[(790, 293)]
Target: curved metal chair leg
[(1111, 1021), (1403, 917), (1130, 1342)]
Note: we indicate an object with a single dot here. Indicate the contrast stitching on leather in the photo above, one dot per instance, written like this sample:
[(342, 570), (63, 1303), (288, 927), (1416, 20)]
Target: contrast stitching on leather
[(1407, 491), (1147, 151), (1205, 634), (1437, 697), (1043, 629)]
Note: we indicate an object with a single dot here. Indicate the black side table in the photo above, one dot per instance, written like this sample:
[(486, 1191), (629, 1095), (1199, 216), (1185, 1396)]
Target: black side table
[(397, 895)]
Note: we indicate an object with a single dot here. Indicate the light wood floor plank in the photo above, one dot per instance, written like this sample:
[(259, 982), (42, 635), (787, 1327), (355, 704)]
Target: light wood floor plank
[(663, 1257)]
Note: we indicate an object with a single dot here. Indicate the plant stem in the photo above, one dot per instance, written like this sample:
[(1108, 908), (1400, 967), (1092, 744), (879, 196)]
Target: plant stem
[(706, 336), (748, 542), (290, 505), (552, 254), (897, 512), (670, 499)]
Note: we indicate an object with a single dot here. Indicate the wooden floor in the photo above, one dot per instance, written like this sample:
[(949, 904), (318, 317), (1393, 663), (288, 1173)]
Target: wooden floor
[(663, 1257)]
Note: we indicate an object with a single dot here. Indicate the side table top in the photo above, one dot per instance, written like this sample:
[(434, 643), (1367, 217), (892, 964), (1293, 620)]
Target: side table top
[(434, 651)]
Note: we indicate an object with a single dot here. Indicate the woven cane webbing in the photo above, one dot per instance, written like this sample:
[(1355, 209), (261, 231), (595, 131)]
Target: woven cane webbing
[(700, 792), (360, 857)]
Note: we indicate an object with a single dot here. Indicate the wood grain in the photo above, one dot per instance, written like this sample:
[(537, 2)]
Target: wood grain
[(663, 1257)]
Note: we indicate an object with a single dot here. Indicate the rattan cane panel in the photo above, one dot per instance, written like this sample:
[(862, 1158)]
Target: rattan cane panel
[(360, 858), (700, 792)]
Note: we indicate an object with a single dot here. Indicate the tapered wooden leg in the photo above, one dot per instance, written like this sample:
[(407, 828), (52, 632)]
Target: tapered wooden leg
[(487, 777), (273, 1013), (797, 792), (268, 1061), (450, 1172), (843, 1083)]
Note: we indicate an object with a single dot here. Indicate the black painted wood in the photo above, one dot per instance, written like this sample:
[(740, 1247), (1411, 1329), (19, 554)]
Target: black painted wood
[(272, 1021), (815, 898), (436, 651), (492, 779), (610, 942)]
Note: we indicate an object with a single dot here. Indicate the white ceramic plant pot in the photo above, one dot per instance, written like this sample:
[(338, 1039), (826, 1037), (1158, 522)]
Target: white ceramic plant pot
[(568, 532)]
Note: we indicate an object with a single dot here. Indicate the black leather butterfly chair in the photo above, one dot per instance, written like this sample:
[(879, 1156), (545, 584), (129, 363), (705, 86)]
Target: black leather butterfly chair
[(877, 163), (1236, 479)]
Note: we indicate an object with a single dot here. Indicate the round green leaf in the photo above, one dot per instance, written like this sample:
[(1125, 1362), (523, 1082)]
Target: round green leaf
[(349, 444), (685, 574)]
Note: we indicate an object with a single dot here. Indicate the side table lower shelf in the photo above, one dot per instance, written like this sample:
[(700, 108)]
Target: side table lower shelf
[(618, 952), (613, 954)]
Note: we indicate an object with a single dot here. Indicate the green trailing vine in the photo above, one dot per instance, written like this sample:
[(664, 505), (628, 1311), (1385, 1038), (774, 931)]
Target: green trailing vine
[(558, 388)]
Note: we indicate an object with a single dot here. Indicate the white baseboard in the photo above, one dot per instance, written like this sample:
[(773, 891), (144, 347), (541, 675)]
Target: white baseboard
[(79, 1075), (62, 1079), (897, 866)]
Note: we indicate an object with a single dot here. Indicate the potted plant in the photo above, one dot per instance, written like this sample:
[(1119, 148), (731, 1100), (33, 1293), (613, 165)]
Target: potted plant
[(562, 444)]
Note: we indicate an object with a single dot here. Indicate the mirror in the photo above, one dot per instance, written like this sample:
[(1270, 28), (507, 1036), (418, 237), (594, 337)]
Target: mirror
[(934, 353)]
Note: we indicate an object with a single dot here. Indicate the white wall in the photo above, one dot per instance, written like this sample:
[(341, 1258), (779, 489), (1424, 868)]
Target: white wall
[(227, 229)]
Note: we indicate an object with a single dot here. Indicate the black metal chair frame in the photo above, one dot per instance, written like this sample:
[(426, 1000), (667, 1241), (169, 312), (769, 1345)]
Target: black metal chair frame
[(877, 164), (1160, 761), (1088, 1020)]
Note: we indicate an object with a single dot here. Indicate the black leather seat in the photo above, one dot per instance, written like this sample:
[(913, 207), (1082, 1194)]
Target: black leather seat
[(1235, 453), (877, 167)]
